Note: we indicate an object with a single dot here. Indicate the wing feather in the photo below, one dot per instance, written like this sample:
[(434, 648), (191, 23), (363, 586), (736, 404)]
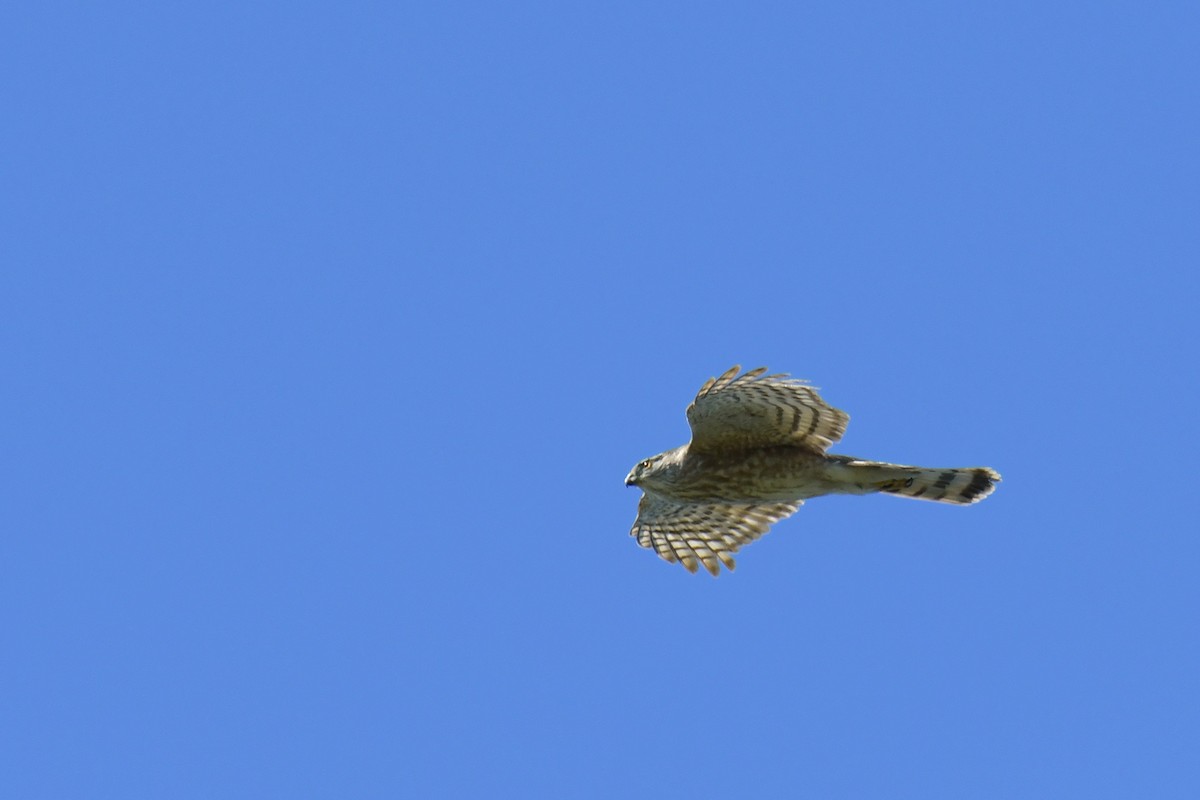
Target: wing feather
[(758, 410), (707, 534)]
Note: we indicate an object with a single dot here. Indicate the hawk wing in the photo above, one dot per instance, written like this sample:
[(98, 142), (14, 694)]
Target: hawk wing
[(756, 410), (702, 533)]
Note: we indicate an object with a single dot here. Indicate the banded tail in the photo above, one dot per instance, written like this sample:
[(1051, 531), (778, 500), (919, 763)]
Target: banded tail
[(962, 486)]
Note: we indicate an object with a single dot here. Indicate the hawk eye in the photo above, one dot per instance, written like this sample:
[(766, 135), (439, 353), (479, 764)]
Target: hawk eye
[(646, 464)]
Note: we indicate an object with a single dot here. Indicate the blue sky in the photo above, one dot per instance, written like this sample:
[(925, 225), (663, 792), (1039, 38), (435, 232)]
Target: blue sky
[(330, 331)]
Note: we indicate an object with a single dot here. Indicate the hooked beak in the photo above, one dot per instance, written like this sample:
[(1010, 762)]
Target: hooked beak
[(629, 480)]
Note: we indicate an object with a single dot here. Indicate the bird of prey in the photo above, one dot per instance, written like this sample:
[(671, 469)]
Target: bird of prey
[(757, 452)]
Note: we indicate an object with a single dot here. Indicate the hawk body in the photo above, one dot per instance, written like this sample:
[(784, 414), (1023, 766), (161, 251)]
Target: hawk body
[(757, 452), (748, 475)]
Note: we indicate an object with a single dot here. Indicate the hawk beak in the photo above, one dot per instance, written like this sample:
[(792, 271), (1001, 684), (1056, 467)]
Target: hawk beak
[(629, 480)]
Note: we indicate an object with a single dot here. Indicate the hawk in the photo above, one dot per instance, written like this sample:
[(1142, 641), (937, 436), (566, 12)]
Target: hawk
[(758, 452)]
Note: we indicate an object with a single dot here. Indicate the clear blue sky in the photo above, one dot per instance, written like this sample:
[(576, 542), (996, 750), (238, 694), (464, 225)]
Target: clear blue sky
[(329, 332)]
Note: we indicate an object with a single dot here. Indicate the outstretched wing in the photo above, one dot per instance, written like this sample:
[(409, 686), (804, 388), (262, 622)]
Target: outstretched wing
[(756, 410), (702, 533)]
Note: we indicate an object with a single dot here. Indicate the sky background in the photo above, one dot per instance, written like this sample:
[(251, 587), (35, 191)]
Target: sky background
[(329, 332)]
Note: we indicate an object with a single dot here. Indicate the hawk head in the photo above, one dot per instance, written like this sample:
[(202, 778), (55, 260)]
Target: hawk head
[(659, 469)]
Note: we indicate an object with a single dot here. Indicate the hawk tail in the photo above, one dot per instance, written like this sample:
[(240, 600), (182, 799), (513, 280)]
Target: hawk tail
[(958, 485)]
